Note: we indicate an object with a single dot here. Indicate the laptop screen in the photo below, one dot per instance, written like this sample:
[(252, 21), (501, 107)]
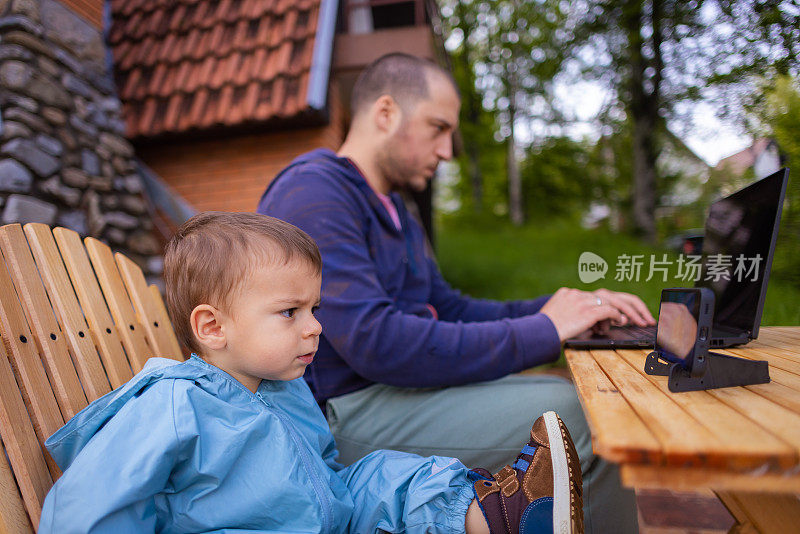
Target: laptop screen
[(740, 234)]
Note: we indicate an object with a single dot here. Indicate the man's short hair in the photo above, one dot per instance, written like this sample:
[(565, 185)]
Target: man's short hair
[(212, 255), (401, 76)]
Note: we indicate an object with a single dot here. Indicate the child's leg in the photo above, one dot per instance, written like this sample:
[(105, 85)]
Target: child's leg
[(398, 492), (475, 522)]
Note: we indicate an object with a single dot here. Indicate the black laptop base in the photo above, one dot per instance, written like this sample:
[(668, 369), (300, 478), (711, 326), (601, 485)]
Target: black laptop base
[(621, 338), (616, 338)]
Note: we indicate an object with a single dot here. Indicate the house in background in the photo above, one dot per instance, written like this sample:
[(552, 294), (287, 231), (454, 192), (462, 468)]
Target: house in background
[(763, 156), (219, 96), (64, 158)]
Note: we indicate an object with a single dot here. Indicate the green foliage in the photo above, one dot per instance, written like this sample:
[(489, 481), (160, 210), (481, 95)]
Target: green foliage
[(504, 262), (558, 178), (781, 116), (505, 54)]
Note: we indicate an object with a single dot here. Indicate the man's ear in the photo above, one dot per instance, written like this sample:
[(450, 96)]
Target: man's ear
[(386, 114), (207, 328)]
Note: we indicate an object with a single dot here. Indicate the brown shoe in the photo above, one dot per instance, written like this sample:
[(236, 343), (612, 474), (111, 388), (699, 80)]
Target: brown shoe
[(542, 491)]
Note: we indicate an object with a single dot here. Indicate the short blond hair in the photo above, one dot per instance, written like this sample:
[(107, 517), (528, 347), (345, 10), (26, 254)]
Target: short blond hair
[(213, 254)]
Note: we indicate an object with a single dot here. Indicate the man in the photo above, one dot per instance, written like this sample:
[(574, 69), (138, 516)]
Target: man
[(406, 362)]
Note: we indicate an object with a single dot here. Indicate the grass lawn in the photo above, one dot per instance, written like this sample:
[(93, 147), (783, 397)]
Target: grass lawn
[(503, 262)]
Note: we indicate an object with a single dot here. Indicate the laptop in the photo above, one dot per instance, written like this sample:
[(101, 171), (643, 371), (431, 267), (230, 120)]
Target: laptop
[(744, 223)]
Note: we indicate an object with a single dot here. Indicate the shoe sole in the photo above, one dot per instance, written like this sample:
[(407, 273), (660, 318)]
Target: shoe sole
[(565, 517)]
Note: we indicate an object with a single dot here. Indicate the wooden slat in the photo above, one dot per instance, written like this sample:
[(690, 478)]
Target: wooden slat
[(58, 364), (101, 325), (68, 311), (784, 339), (766, 514), (13, 517), (36, 390), (785, 350), (162, 310), (151, 315), (695, 478), (618, 434), (779, 394), (791, 331), (131, 332), (20, 441), (684, 441), (773, 341), (778, 420), (785, 333), (761, 448)]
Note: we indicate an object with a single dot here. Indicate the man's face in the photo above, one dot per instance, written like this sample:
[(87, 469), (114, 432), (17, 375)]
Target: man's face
[(424, 138)]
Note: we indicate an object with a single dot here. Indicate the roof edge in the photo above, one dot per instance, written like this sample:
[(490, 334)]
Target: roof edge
[(322, 56)]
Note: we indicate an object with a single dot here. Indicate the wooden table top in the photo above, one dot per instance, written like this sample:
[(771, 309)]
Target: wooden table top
[(740, 438)]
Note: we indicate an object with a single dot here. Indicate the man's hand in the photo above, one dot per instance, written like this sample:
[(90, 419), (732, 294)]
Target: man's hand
[(572, 311), (629, 305)]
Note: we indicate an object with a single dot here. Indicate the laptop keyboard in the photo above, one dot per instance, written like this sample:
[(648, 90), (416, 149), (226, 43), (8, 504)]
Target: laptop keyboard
[(644, 332)]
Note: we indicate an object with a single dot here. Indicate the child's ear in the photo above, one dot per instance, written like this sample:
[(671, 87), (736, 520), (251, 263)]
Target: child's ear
[(206, 326)]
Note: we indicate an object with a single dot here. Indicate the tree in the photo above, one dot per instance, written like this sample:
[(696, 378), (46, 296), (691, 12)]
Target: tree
[(779, 115), (476, 123), (561, 177), (649, 52), (515, 49), (756, 42)]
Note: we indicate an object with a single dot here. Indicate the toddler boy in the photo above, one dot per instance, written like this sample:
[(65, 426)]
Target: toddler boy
[(232, 440)]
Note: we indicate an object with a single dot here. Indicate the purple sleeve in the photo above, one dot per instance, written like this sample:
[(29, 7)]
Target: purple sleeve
[(451, 305), (376, 339)]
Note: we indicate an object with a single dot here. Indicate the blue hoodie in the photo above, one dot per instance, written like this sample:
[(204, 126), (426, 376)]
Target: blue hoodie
[(379, 285), (184, 447)]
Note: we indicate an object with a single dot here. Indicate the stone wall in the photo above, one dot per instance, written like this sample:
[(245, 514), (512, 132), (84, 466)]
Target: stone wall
[(64, 160)]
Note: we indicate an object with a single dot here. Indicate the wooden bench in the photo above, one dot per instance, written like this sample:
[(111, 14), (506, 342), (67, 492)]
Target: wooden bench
[(76, 321)]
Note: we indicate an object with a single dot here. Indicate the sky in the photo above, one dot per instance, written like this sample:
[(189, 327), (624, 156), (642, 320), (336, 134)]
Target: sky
[(708, 136)]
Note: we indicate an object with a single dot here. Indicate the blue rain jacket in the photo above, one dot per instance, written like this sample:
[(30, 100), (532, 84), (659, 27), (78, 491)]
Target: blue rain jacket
[(184, 447)]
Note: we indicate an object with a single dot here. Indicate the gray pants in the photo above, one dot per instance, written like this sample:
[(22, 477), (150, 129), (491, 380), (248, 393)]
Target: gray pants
[(483, 425)]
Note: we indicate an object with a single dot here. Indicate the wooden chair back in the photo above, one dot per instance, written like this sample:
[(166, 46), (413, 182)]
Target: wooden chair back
[(76, 321)]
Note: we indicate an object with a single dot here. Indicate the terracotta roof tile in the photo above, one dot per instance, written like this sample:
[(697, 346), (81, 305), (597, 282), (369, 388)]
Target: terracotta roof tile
[(224, 103), (198, 106), (122, 50), (172, 113), (168, 51), (189, 46), (263, 106), (276, 30), (157, 80), (184, 65), (251, 99), (242, 75)]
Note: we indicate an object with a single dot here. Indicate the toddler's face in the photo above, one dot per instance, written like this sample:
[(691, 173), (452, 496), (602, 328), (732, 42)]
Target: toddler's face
[(271, 331)]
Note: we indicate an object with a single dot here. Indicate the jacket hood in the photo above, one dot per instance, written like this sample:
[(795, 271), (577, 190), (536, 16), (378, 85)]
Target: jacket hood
[(65, 444), (320, 156)]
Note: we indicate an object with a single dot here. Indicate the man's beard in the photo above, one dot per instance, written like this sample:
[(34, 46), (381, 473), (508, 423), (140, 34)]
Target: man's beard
[(395, 170)]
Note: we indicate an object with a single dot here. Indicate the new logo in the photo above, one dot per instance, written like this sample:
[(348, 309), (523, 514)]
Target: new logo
[(591, 267)]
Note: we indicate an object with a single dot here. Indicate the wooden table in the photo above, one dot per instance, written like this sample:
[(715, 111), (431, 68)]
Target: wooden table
[(742, 442)]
